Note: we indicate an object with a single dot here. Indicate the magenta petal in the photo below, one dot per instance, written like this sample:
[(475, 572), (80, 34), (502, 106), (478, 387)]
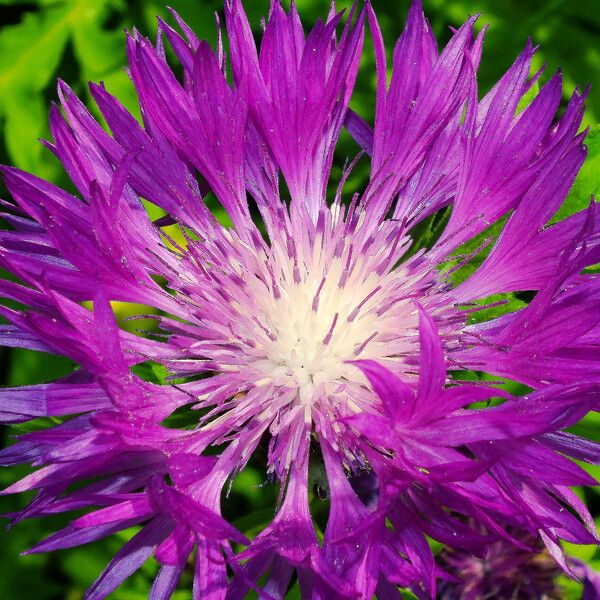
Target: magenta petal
[(397, 397), (131, 556), (166, 581)]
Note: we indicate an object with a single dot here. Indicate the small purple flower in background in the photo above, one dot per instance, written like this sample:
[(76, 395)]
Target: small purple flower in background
[(505, 571), (310, 329)]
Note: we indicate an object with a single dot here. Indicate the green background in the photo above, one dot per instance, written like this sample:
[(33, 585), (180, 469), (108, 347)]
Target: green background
[(81, 40)]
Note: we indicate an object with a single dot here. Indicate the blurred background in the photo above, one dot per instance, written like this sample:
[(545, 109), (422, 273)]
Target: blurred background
[(82, 40)]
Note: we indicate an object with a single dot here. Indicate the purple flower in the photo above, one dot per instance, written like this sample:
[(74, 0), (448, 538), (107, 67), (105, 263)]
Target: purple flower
[(508, 572), (314, 330), (504, 571)]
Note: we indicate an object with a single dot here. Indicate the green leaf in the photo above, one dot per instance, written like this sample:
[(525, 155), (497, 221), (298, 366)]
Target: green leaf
[(98, 51), (254, 522), (29, 367), (588, 427), (36, 46), (587, 183), (426, 233), (528, 98), (39, 424), (582, 552), (151, 371), (570, 589), (479, 247), (504, 303), (25, 122)]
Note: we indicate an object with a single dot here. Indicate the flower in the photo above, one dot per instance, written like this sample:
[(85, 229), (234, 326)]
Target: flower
[(315, 330), (504, 572), (509, 572)]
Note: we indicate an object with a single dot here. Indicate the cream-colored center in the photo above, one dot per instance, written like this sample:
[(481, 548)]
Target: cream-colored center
[(324, 321)]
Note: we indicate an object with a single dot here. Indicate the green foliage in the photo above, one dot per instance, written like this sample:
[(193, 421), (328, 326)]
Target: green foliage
[(527, 99), (37, 45), (29, 367), (151, 371), (70, 39), (587, 183)]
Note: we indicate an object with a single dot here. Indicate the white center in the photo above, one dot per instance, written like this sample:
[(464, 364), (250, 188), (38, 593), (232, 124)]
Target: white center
[(329, 318)]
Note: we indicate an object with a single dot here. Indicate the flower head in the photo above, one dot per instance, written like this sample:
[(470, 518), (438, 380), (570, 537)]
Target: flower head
[(510, 572), (503, 572), (315, 329)]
